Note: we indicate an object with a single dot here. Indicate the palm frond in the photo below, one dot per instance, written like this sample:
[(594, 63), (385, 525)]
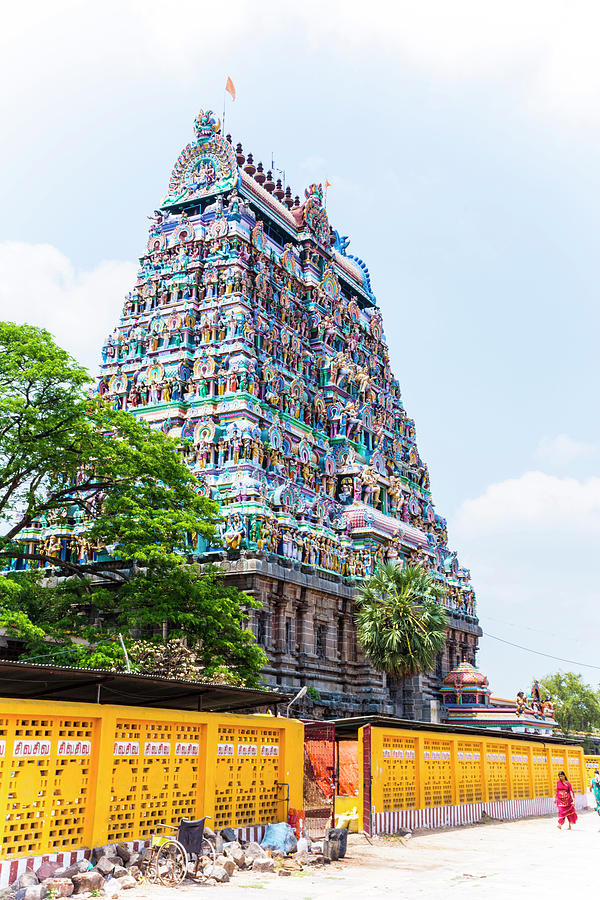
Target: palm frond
[(401, 625)]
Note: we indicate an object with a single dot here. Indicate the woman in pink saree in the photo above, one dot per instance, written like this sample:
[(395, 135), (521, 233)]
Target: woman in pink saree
[(564, 801)]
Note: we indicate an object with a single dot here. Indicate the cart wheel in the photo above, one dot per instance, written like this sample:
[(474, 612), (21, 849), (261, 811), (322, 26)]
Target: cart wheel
[(171, 863)]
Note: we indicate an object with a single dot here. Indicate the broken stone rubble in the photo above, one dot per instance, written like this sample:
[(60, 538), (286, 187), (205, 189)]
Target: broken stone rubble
[(263, 865), (47, 870), (35, 892), (60, 887), (234, 851), (68, 871), (216, 872), (254, 851), (27, 879), (119, 872), (112, 887), (88, 881), (226, 863), (104, 866), (124, 853), (113, 868)]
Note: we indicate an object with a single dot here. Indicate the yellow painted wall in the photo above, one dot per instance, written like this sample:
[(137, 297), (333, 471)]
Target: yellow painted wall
[(78, 774), (420, 769), (591, 764)]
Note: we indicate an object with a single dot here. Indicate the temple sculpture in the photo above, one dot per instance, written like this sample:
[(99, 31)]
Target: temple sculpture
[(254, 338)]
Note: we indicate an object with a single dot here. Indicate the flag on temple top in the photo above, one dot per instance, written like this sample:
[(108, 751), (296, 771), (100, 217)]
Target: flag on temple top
[(230, 87), (327, 184)]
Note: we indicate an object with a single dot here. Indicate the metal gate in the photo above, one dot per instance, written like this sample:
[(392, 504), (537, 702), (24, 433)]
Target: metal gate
[(365, 749), (319, 777)]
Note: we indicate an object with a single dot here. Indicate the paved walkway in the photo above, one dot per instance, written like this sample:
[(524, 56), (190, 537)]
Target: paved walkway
[(528, 858)]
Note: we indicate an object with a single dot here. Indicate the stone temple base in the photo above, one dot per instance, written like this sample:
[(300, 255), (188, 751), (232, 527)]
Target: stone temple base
[(306, 628)]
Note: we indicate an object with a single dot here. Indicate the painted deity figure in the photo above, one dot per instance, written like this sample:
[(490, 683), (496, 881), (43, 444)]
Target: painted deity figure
[(362, 381), (346, 494), (371, 490), (352, 420), (392, 552), (235, 532), (202, 176), (548, 708), (266, 535), (83, 550), (395, 493)]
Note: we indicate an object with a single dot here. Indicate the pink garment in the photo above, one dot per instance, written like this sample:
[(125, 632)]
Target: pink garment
[(564, 802)]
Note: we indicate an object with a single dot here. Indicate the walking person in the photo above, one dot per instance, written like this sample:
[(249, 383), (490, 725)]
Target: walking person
[(595, 787), (564, 801)]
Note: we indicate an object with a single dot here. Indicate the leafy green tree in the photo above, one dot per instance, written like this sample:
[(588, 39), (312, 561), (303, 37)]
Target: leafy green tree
[(401, 624), (58, 623), (194, 604), (68, 458), (177, 620), (576, 704), (63, 452)]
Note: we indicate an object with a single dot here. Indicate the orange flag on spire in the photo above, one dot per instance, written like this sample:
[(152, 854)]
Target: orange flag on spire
[(327, 184), (230, 87)]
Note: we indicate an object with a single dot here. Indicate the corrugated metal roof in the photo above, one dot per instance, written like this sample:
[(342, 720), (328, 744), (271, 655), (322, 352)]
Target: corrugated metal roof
[(38, 681), (349, 728)]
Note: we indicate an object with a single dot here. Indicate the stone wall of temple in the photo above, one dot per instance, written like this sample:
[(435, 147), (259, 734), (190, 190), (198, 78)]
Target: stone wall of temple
[(306, 628)]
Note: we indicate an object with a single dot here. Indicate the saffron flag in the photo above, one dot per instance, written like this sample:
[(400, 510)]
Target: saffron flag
[(230, 87), (327, 184)]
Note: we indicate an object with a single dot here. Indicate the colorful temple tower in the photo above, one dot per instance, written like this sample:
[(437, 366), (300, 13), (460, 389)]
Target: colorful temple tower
[(467, 700), (253, 337)]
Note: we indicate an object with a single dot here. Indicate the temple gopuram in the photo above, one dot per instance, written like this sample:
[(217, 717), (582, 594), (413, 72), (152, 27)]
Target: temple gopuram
[(253, 337), (467, 700)]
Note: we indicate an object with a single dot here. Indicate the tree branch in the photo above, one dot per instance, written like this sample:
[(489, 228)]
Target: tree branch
[(75, 568), (43, 557)]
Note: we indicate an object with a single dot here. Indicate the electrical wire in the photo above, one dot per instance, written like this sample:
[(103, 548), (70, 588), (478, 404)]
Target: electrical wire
[(520, 626), (46, 655), (539, 652), (485, 635)]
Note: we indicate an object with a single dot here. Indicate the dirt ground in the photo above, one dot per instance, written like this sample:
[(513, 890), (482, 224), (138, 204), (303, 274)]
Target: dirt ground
[(527, 858)]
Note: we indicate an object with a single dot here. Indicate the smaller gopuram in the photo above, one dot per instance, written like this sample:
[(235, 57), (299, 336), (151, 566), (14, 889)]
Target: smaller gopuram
[(253, 336), (467, 700)]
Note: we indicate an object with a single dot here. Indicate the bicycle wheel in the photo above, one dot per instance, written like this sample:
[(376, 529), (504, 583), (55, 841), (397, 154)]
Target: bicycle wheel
[(148, 865), (171, 863)]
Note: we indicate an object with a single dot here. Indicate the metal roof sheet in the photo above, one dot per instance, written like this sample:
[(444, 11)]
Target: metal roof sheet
[(348, 728), (33, 681)]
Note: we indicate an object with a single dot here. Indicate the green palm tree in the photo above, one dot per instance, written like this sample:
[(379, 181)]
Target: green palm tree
[(401, 623)]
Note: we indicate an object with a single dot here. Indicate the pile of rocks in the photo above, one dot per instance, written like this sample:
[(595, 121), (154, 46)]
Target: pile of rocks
[(234, 856), (113, 868), (250, 855)]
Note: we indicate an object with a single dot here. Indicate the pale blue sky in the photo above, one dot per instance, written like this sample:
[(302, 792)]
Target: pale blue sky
[(461, 141)]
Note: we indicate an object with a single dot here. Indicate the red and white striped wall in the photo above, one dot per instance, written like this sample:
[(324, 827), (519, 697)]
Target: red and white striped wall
[(10, 869), (252, 833), (466, 813)]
